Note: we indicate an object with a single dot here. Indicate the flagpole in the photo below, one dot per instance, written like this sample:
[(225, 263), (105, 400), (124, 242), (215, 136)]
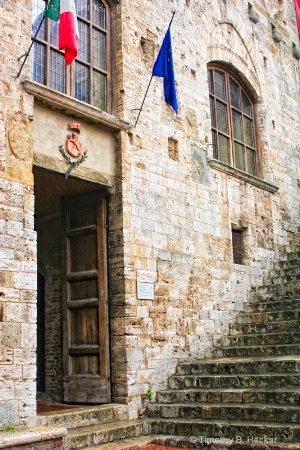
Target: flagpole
[(140, 109), (32, 42), (171, 19)]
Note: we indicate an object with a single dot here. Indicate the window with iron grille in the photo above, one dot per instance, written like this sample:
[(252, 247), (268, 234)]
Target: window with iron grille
[(233, 124), (237, 246), (88, 77)]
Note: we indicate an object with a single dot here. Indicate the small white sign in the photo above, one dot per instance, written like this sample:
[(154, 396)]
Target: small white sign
[(145, 290)]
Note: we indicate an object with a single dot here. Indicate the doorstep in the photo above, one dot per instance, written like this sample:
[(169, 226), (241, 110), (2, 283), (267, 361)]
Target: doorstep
[(10, 439)]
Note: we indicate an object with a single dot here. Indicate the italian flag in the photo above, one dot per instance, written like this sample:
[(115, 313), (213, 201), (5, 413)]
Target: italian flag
[(65, 12), (297, 4)]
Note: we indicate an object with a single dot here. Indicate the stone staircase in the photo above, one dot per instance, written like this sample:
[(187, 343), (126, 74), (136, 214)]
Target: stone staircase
[(103, 426), (248, 395)]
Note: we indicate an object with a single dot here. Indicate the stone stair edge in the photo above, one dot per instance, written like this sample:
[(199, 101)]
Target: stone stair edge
[(250, 347), (227, 422), (83, 416), (127, 443), (270, 327), (182, 441), (89, 436), (285, 432), (270, 312), (195, 442), (82, 409), (104, 426), (267, 338), (235, 375), (254, 302), (227, 405), (227, 390), (226, 360), (254, 351), (30, 435)]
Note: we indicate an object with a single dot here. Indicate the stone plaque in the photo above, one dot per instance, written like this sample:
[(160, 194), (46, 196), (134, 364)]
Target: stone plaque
[(145, 290)]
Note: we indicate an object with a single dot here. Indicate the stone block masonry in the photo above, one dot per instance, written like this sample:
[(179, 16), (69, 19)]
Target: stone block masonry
[(49, 262), (173, 206), (18, 305), (180, 209), (17, 235)]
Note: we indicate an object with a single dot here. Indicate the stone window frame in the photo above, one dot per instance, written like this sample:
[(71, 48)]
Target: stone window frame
[(237, 239), (69, 88), (229, 74)]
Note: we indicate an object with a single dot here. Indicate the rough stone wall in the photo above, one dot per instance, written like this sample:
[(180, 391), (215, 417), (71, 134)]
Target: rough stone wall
[(117, 302), (49, 265), (177, 219), (17, 236), (170, 222)]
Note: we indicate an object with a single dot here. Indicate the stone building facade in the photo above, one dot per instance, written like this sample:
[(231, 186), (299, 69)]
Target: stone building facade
[(172, 205)]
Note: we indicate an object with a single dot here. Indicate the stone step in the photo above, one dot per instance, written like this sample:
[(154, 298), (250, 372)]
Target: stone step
[(84, 416), (272, 292), (284, 281), (156, 442), (82, 437), (280, 396), (231, 429), (240, 366), (286, 276), (287, 260), (269, 316), (269, 295), (274, 305), (255, 412), (263, 339), (31, 438), (234, 381), (208, 443), (292, 249), (254, 351), (291, 270), (268, 327), (127, 444), (295, 241)]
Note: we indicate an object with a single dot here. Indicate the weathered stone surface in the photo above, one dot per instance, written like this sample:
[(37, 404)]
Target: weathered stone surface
[(252, 400), (9, 411), (170, 212)]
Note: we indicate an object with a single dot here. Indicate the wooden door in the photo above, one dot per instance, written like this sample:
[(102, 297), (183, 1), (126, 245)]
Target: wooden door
[(85, 304)]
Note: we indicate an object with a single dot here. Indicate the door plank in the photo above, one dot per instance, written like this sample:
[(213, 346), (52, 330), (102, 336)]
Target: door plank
[(85, 301)]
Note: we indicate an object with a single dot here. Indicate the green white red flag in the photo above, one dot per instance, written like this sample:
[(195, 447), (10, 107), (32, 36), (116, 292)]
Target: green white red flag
[(297, 6), (65, 12)]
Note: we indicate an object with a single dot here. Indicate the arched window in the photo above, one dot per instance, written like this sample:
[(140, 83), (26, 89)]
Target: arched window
[(233, 124), (88, 77)]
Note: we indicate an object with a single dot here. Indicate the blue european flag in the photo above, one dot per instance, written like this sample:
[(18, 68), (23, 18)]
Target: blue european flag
[(163, 67)]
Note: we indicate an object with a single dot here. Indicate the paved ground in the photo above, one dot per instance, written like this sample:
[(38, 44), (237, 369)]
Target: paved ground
[(44, 406)]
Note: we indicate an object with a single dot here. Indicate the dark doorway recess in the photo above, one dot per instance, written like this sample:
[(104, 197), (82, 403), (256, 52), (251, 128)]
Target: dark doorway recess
[(70, 216)]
